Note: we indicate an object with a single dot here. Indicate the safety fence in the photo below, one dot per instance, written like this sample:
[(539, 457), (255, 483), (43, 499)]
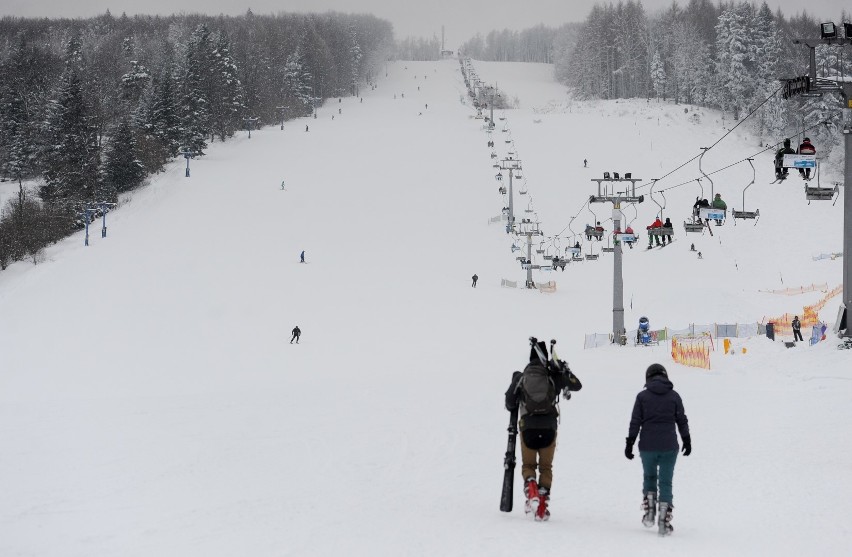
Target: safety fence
[(499, 218), (831, 256), (712, 330), (692, 351), (548, 287), (783, 324), (800, 290)]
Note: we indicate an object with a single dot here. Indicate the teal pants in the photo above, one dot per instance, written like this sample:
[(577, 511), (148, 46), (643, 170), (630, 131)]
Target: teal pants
[(658, 466)]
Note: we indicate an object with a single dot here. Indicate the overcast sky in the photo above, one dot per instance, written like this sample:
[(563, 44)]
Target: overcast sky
[(462, 18)]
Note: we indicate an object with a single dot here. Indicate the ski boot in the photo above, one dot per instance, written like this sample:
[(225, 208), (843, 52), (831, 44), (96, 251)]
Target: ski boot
[(665, 520), (533, 496), (543, 513), (649, 505)]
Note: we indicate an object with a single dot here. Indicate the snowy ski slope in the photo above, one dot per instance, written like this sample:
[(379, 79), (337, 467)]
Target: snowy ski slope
[(150, 403)]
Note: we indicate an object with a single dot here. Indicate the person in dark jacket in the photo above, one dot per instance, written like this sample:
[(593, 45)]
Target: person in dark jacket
[(780, 171), (668, 228), (297, 332), (797, 329), (656, 413), (474, 278), (538, 431)]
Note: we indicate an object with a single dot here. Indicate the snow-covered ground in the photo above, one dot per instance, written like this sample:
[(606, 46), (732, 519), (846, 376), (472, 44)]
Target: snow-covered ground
[(150, 403)]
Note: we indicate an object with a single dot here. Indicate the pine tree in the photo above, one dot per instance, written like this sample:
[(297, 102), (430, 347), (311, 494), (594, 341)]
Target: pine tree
[(226, 98), (658, 75), (196, 85), (297, 88), (355, 56), (71, 155), (122, 170)]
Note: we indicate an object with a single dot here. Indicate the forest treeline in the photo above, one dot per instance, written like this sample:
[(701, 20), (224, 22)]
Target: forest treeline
[(729, 56), (90, 107)]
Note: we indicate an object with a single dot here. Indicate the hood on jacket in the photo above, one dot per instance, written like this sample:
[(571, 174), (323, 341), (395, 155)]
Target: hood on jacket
[(659, 384)]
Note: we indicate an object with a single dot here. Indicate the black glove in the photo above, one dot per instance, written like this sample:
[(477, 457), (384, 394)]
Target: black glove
[(687, 446), (628, 450)]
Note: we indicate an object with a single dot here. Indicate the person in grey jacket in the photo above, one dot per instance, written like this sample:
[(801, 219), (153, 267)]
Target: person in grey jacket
[(656, 412)]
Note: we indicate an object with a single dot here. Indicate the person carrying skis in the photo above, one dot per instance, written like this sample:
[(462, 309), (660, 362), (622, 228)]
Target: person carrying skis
[(656, 412), (297, 332), (780, 171), (719, 203), (797, 329), (657, 224), (535, 392), (806, 148)]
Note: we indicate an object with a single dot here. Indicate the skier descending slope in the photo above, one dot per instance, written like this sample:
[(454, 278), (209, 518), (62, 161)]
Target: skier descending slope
[(656, 411), (535, 393)]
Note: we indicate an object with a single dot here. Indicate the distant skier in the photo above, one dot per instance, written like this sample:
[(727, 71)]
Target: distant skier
[(585, 163), (297, 332), (806, 148), (306, 127), (780, 171), (475, 278), (302, 257), (535, 392), (656, 412), (797, 329)]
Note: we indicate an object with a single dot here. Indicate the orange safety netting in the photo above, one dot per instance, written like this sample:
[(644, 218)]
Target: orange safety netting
[(694, 352), (783, 325)]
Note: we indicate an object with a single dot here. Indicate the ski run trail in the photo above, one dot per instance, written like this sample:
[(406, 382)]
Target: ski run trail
[(151, 405)]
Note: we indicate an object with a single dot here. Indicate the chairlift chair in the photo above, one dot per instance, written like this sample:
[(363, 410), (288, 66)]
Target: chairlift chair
[(608, 248), (755, 215), (818, 193), (695, 224)]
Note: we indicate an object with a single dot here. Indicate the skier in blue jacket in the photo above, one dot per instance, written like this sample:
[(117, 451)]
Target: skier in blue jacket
[(658, 409)]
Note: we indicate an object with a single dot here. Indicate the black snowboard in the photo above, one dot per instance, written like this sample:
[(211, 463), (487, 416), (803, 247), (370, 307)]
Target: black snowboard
[(507, 496)]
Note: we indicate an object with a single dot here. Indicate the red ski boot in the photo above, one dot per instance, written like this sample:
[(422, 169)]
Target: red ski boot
[(543, 513), (533, 498)]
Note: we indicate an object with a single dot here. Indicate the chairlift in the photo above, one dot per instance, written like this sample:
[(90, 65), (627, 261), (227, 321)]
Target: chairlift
[(493, 154), (710, 213), (695, 224), (523, 189), (591, 231), (663, 230), (540, 250), (591, 256), (755, 215), (499, 176), (608, 248), (817, 193)]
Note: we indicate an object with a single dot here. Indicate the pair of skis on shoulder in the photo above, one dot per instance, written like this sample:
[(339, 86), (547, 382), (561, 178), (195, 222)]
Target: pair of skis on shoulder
[(536, 502)]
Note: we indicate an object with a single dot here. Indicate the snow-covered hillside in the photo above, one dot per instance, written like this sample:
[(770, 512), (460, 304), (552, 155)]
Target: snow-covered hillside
[(151, 404)]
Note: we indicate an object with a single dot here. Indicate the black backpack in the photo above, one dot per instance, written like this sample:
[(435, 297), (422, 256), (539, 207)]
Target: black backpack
[(538, 392)]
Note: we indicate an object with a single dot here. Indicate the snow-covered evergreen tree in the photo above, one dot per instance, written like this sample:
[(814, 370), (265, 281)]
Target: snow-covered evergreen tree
[(297, 85), (355, 56), (736, 76), (194, 108), (71, 155), (658, 75), (226, 97), (122, 169)]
